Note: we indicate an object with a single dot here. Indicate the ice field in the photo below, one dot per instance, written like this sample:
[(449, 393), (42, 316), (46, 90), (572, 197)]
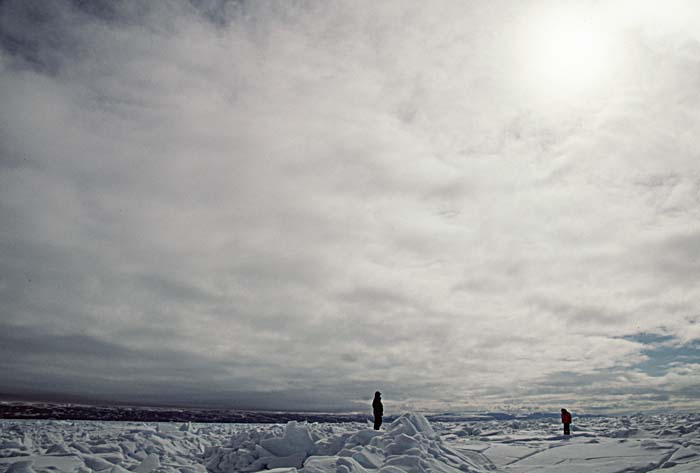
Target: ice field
[(410, 444)]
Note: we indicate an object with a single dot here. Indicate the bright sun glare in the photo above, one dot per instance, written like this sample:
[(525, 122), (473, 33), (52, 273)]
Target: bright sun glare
[(567, 53)]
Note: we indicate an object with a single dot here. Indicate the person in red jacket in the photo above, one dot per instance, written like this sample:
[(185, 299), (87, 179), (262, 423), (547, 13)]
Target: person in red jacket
[(566, 420)]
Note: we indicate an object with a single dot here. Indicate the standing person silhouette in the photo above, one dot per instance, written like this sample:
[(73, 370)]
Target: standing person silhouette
[(566, 420), (378, 409)]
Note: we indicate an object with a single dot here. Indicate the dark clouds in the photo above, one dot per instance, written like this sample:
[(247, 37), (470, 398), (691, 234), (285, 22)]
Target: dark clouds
[(275, 204)]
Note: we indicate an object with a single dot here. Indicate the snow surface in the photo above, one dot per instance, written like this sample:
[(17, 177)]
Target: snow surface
[(637, 444)]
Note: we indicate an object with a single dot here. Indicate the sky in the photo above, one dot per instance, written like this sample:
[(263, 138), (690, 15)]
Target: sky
[(288, 205)]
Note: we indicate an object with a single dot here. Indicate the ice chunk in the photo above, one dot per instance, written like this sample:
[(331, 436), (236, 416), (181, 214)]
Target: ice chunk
[(186, 427), (12, 444), (402, 443), (22, 467), (391, 469), (296, 439), (349, 465), (369, 457), (97, 463), (411, 424), (60, 449), (320, 464), (106, 448), (294, 460), (363, 437), (150, 463), (118, 469), (331, 445)]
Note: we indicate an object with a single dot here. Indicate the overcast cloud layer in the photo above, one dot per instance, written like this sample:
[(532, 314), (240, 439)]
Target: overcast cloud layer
[(289, 205)]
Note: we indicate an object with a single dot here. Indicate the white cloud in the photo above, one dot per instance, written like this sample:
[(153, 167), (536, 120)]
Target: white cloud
[(337, 197)]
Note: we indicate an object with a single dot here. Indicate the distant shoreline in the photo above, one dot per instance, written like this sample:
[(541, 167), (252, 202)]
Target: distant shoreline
[(51, 411), (46, 411)]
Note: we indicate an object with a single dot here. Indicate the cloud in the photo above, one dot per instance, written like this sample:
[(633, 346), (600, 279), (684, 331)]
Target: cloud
[(294, 204)]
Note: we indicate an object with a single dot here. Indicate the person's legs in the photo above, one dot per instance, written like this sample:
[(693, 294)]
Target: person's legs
[(377, 422), (567, 430)]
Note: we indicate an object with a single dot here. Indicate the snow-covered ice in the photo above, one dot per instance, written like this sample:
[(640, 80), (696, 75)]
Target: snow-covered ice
[(636, 444), (410, 444)]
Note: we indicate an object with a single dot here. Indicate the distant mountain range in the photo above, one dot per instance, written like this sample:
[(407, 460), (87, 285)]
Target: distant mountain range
[(56, 411)]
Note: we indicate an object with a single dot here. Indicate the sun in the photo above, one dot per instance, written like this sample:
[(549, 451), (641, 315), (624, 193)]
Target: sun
[(566, 52)]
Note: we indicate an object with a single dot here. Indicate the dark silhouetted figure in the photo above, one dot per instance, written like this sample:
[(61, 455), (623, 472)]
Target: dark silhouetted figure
[(566, 420), (378, 409)]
